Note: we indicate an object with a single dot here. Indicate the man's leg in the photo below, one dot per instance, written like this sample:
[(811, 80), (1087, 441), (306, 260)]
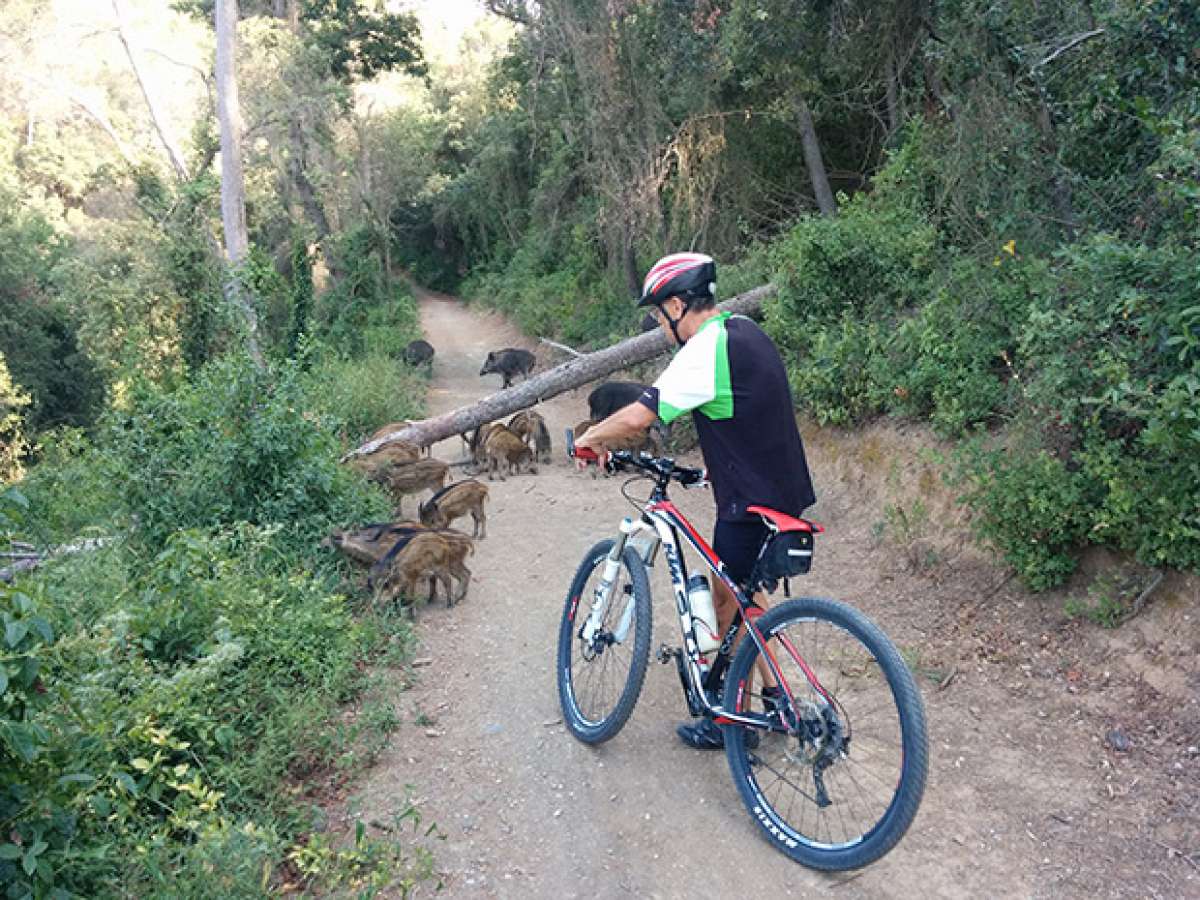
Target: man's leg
[(726, 606)]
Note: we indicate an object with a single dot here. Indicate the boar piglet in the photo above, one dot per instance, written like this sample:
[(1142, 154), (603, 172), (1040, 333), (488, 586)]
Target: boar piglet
[(455, 501), (436, 555)]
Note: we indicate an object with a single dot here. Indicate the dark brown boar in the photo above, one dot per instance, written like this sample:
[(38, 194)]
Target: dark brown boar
[(611, 396), (455, 501), (508, 363), (419, 353)]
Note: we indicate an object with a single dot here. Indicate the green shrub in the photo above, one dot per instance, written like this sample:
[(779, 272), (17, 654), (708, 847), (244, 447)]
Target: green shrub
[(364, 311), (843, 284), (832, 374), (954, 360), (1030, 507), (870, 262), (356, 396), (1110, 359), (237, 444), (153, 708)]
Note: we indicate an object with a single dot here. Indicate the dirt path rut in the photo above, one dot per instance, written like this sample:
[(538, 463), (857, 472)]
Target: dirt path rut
[(1016, 805)]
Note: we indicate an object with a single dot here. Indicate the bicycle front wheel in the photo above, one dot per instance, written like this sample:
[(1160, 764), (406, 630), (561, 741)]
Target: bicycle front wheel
[(842, 788), (602, 657)]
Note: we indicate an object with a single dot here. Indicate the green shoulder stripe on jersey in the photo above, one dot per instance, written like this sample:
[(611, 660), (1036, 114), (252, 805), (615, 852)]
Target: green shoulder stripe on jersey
[(721, 406)]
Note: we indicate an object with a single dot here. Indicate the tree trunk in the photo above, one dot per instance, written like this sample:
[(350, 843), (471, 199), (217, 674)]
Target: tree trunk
[(156, 118), (893, 93), (569, 375), (812, 158), (632, 277), (233, 188), (313, 209)]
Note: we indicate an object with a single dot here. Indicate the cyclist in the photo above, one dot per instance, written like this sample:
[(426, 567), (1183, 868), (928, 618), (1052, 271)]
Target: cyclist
[(729, 375)]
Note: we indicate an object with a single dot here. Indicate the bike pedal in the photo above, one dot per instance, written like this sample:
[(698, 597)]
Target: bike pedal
[(664, 654)]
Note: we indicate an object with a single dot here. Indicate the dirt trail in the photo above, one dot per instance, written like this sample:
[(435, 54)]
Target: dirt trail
[(1024, 798)]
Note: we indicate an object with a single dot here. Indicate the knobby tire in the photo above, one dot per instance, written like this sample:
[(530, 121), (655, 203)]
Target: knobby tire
[(795, 823), (588, 725)]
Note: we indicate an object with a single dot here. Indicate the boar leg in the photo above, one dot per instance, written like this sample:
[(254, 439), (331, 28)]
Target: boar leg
[(463, 574)]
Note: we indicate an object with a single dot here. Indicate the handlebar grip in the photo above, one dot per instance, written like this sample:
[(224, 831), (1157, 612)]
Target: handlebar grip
[(587, 454)]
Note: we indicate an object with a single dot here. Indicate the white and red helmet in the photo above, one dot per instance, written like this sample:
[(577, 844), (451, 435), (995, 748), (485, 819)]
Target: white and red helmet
[(689, 276)]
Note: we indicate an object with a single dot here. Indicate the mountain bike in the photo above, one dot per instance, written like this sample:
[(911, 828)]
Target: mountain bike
[(823, 724)]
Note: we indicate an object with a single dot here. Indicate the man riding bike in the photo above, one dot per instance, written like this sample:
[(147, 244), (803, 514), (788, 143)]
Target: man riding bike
[(729, 375)]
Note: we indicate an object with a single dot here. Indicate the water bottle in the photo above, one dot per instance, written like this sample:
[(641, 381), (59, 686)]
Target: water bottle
[(704, 615)]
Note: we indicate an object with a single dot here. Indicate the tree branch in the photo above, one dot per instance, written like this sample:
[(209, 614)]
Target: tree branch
[(155, 117), (1073, 42)]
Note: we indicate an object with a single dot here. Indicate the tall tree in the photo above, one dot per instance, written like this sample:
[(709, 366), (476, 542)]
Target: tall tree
[(233, 188)]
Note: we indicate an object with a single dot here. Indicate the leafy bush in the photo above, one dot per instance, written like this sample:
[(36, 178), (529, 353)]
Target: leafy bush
[(842, 285), (358, 396), (871, 262), (1089, 359), (364, 311), (1030, 507), (237, 444), (172, 681)]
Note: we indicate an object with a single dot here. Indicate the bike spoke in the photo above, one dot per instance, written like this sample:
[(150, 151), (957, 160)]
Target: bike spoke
[(861, 782)]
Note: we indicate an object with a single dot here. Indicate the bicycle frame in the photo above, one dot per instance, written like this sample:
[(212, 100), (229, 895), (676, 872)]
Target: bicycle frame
[(663, 523)]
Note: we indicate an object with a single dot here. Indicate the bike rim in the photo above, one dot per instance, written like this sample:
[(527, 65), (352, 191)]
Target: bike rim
[(599, 670), (862, 780)]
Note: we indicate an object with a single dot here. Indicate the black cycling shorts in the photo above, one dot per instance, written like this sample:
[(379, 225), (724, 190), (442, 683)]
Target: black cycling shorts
[(737, 544)]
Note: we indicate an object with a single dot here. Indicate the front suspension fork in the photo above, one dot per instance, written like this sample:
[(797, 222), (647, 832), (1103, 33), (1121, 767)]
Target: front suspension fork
[(602, 595)]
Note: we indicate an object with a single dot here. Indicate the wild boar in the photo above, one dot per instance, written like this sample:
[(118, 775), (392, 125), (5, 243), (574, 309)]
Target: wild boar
[(455, 501), (508, 364), (419, 353), (375, 465), (372, 542), (414, 477), (505, 452), (391, 428), (531, 427), (436, 555), (475, 441), (611, 396)]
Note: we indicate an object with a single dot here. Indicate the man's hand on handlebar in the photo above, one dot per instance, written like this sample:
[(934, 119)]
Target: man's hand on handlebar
[(585, 453)]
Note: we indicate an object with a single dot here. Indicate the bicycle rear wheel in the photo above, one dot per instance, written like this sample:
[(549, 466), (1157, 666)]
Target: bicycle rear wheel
[(841, 790), (600, 676)]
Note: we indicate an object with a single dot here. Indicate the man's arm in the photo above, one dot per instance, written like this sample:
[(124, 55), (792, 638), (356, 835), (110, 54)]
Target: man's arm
[(625, 422)]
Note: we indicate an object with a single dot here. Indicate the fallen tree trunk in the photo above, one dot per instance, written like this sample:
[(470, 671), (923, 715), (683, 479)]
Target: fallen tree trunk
[(569, 375)]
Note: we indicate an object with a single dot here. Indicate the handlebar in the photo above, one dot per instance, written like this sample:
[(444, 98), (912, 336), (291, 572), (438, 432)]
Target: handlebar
[(662, 468)]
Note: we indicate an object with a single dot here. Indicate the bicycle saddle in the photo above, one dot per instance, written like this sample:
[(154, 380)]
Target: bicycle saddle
[(784, 522)]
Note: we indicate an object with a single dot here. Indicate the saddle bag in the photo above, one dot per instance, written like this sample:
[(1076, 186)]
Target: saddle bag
[(783, 555)]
